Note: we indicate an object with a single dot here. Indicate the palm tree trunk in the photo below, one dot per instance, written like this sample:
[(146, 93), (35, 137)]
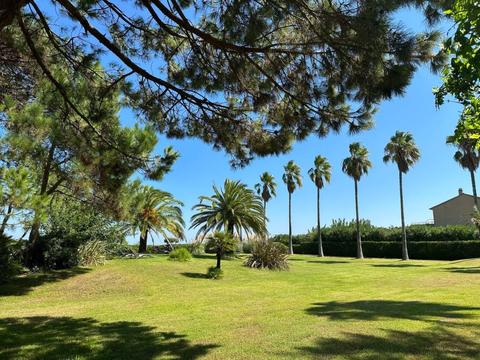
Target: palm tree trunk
[(290, 240), (359, 235), (320, 245), (142, 245), (404, 231), (265, 218), (474, 188), (219, 260)]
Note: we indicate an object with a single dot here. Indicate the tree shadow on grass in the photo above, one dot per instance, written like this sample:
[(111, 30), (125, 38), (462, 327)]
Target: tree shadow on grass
[(436, 343), (464, 270), (397, 265), (68, 338), (22, 285), (327, 262), (195, 275), (380, 309)]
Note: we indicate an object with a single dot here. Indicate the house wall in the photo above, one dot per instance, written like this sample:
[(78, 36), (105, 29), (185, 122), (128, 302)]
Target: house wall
[(457, 211)]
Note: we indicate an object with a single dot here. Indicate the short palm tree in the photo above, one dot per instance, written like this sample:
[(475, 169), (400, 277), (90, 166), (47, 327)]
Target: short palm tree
[(403, 151), (320, 174), (153, 210), (221, 243), (468, 157), (234, 209), (356, 165), (292, 178), (266, 188)]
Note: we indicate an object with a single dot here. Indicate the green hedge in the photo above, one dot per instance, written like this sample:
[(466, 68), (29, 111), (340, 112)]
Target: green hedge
[(428, 250), (342, 231)]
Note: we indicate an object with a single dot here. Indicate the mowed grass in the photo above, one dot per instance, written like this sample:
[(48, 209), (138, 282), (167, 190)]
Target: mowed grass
[(321, 308)]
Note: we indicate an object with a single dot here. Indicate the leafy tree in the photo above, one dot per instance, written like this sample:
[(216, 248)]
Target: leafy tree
[(292, 178), (18, 196), (355, 166), (246, 76), (402, 151), (70, 156), (266, 188), (221, 243), (468, 157), (320, 174), (234, 209), (461, 77), (153, 210)]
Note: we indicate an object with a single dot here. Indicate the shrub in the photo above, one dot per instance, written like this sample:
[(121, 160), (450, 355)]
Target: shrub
[(71, 225), (9, 266), (267, 254), (92, 253), (196, 248), (214, 273), (428, 250), (180, 254)]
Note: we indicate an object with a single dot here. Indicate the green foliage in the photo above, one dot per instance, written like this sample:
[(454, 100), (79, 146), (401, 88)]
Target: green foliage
[(292, 176), (427, 250), (9, 266), (70, 225), (344, 231), (321, 172), (402, 150), (147, 209), (233, 208), (268, 255), (92, 253), (180, 254), (357, 164), (214, 273), (221, 243), (267, 187)]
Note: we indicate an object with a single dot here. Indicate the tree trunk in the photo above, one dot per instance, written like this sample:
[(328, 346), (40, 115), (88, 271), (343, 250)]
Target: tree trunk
[(320, 245), (142, 245), (474, 189), (265, 218), (6, 218), (359, 235), (34, 256), (404, 231), (290, 240), (219, 260)]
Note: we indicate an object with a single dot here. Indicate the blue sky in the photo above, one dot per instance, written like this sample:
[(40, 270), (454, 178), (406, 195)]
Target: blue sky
[(434, 179)]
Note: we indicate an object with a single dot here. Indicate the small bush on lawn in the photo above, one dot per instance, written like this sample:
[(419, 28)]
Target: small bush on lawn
[(92, 253), (9, 267), (214, 273), (267, 254), (180, 254)]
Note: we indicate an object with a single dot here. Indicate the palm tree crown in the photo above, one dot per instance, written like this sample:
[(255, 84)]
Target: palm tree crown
[(233, 208), (320, 173), (357, 164), (267, 186), (292, 177), (154, 210), (402, 150), (467, 154)]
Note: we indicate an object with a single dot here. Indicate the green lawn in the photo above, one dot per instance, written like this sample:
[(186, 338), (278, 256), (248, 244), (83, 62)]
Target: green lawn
[(331, 308)]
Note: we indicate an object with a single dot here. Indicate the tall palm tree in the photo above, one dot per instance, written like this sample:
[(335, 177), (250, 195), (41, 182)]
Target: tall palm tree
[(320, 174), (292, 178), (468, 157), (403, 151), (153, 210), (234, 209), (266, 188), (356, 165)]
